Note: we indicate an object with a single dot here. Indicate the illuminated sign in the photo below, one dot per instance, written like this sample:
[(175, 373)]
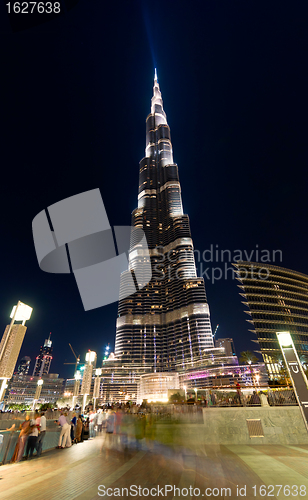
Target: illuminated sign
[(296, 373)]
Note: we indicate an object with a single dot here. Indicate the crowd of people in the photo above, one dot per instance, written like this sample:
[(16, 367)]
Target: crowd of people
[(78, 428), (31, 437), (129, 422)]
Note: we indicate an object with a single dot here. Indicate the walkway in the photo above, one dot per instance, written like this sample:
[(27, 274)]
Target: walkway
[(76, 472)]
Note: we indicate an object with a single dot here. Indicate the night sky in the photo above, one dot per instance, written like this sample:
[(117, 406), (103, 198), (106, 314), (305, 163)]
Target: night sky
[(75, 93)]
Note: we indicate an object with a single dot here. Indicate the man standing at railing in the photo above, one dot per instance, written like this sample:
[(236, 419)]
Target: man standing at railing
[(42, 428), (65, 432), (32, 438)]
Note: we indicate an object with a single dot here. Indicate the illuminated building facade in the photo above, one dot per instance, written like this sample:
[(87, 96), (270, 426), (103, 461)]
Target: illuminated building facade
[(219, 369), (154, 386), (227, 344), (24, 365), (43, 360), (22, 389), (118, 384), (277, 299), (167, 322)]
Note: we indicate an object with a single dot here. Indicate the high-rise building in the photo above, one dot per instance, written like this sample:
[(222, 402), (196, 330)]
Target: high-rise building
[(228, 346), (167, 322), (24, 365), (43, 360), (277, 299)]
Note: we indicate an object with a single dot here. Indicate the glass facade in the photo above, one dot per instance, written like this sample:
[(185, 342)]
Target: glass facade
[(277, 299)]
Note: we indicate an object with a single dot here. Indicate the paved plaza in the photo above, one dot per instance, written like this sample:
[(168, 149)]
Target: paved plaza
[(214, 471)]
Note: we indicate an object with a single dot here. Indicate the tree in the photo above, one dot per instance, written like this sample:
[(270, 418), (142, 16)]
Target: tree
[(304, 360), (277, 359), (176, 398), (19, 406), (249, 358), (46, 406)]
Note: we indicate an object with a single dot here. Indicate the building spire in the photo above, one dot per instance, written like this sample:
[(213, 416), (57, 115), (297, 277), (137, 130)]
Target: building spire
[(157, 102)]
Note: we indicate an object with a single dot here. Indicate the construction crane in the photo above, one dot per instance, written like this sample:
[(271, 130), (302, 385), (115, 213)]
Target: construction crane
[(77, 359), (215, 331)]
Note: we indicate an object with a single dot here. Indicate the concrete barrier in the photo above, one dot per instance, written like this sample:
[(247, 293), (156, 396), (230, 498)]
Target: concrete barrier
[(224, 426)]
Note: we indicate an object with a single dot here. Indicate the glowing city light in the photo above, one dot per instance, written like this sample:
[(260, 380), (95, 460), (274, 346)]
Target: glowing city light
[(284, 339), (90, 356), (23, 312)]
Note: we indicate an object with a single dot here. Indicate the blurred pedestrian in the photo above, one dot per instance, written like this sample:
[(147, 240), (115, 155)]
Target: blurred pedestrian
[(100, 420), (42, 433), (22, 439), (79, 426), (32, 438), (73, 428), (255, 400)]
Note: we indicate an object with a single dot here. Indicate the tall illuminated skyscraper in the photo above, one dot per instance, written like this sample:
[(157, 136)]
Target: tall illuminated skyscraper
[(167, 322), (43, 360)]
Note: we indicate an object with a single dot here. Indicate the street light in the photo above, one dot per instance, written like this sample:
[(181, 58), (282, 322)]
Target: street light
[(87, 377), (77, 378), (37, 392), (196, 395), (284, 339), (97, 384)]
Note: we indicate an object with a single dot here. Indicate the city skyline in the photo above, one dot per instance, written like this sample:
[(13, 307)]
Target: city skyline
[(237, 114)]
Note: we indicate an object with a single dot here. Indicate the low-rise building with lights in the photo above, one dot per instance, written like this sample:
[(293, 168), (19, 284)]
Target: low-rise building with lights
[(22, 389)]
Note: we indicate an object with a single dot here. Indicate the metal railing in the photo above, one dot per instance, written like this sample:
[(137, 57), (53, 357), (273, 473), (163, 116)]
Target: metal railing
[(271, 397), (10, 440)]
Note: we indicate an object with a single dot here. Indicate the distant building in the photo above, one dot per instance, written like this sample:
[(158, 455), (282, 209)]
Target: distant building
[(228, 346), (24, 365), (22, 389), (119, 384), (43, 360), (277, 299)]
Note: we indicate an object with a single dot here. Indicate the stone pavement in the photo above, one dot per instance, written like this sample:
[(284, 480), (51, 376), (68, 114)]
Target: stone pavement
[(76, 472)]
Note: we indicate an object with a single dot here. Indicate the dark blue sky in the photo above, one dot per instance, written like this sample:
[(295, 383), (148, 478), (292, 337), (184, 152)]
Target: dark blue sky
[(75, 92)]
